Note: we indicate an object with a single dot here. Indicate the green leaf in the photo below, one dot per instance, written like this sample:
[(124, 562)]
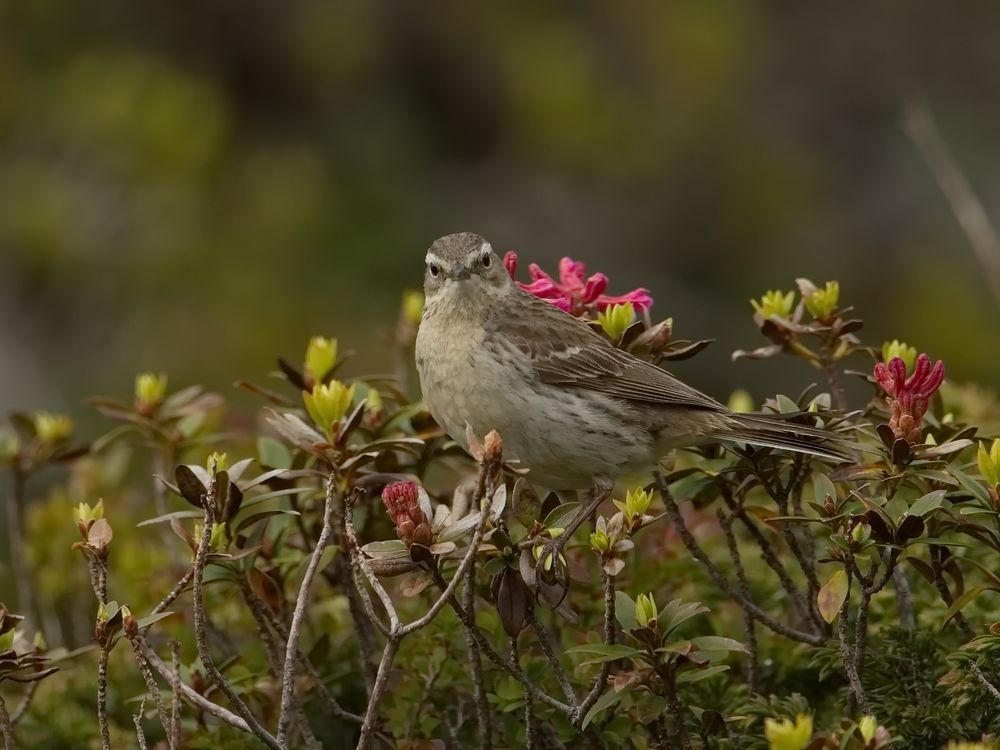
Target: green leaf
[(273, 454), (822, 487), (607, 700), (831, 597), (602, 652), (961, 602), (786, 405), (675, 613), (625, 610), (718, 643), (560, 516), (145, 622), (970, 485), (927, 504), (697, 675)]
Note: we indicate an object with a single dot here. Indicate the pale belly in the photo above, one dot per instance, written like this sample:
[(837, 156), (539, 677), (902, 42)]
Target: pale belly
[(563, 436)]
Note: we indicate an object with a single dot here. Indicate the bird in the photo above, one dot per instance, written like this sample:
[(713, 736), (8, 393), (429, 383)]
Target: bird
[(574, 410)]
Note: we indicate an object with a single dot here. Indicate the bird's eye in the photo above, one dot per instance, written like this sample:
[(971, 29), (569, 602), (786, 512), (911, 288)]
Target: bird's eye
[(433, 268), (487, 259)]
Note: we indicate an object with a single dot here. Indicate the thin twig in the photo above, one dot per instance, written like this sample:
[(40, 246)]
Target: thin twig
[(848, 655), (753, 671), (360, 561), (972, 217), (200, 626), (6, 728), (298, 616), (275, 652), (136, 642), (769, 555), (673, 512), (464, 565), (677, 708), (272, 632), (491, 653), (960, 619), (529, 703), (381, 680), (174, 735), (557, 668), (484, 724), (102, 699), (806, 603), (867, 592), (610, 633), (904, 599), (25, 702), (984, 681), (137, 720), (195, 698), (397, 631), (429, 681), (176, 591)]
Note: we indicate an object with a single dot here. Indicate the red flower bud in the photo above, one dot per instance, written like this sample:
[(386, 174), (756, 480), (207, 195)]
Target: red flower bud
[(908, 397)]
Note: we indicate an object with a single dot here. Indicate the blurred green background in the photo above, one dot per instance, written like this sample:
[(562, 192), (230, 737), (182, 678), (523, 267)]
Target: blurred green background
[(198, 187)]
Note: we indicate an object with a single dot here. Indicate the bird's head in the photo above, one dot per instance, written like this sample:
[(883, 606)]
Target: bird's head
[(464, 264)]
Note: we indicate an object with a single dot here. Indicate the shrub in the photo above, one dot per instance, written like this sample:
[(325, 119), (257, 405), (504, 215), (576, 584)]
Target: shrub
[(340, 573)]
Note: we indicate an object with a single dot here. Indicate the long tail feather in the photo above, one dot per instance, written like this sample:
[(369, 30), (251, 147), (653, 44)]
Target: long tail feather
[(776, 431)]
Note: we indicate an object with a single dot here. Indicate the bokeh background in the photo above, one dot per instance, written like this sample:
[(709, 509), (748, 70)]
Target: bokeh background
[(198, 187)]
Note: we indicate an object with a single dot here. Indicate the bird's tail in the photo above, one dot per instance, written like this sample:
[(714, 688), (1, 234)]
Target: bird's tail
[(778, 431)]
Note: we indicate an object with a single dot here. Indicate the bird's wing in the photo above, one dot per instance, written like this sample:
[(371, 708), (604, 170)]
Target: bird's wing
[(566, 351)]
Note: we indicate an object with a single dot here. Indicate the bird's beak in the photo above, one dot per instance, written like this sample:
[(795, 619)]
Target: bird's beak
[(459, 272)]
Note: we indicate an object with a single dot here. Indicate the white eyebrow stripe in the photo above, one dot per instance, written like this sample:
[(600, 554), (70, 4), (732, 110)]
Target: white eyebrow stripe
[(431, 257), (486, 247)]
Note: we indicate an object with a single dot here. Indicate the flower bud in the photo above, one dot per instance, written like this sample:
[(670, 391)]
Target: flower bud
[(329, 403), (413, 306), (53, 428), (896, 348), (867, 725), (822, 303), (10, 446), (373, 401), (600, 542), (616, 319), (788, 735), (634, 507), (645, 611), (741, 402), (989, 463), (150, 391), (216, 539), (129, 624), (217, 462), (85, 515), (321, 356), (409, 511), (492, 447), (774, 303)]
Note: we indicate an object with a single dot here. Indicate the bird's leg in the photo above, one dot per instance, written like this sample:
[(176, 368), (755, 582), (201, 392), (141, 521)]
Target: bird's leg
[(551, 552)]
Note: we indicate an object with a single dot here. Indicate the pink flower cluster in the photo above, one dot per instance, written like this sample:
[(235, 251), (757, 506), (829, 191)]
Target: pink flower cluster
[(575, 292), (402, 503), (908, 396)]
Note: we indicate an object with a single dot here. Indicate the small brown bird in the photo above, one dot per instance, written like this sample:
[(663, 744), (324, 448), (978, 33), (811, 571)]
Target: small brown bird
[(570, 407)]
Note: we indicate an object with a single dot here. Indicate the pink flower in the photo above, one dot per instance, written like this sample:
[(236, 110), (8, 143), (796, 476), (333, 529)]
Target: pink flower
[(402, 503), (575, 292), (908, 396)]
